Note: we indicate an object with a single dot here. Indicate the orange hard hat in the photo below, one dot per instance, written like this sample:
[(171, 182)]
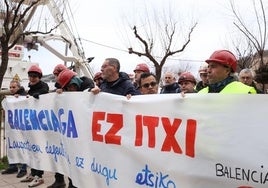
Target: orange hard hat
[(97, 76), (223, 57), (187, 76), (142, 67), (58, 69), (65, 77), (35, 69)]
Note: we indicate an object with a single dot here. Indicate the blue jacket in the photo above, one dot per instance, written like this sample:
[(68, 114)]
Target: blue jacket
[(122, 86)]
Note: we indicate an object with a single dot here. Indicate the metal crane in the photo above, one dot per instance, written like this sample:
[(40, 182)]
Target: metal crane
[(81, 63)]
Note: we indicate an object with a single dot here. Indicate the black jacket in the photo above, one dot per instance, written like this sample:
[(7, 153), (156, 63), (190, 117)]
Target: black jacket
[(200, 86), (86, 84), (38, 89), (172, 88), (258, 90)]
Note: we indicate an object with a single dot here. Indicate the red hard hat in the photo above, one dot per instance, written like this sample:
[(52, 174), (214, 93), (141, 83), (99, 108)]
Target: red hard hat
[(224, 57), (97, 76), (65, 77), (186, 76), (35, 69), (58, 69), (142, 67)]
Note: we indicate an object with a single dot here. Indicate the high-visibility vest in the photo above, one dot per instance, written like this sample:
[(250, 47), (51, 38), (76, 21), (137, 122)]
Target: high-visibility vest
[(234, 87)]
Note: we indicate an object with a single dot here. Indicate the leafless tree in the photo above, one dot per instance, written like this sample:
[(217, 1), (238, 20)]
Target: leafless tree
[(245, 53), (15, 15), (257, 36), (159, 35)]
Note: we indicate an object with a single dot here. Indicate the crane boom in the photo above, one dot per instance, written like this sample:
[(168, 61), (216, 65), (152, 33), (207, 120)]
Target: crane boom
[(78, 57)]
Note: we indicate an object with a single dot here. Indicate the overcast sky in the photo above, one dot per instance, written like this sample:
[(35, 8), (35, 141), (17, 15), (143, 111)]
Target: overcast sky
[(99, 24)]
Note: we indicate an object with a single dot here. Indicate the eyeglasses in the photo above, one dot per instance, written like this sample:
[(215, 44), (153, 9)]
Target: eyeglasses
[(168, 77), (106, 65), (147, 85), (245, 78)]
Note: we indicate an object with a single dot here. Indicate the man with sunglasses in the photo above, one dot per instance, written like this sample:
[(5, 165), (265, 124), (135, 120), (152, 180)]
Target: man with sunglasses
[(148, 83), (221, 67), (139, 69)]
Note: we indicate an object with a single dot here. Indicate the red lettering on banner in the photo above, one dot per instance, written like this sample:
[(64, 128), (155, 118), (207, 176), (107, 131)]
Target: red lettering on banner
[(111, 136), (96, 127), (190, 137), (151, 123), (170, 142), (139, 133)]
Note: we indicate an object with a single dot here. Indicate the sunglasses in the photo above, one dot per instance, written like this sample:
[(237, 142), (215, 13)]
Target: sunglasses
[(147, 85), (34, 75)]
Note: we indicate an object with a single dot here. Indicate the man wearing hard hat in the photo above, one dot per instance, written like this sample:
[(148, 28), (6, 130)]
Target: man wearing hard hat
[(221, 66)]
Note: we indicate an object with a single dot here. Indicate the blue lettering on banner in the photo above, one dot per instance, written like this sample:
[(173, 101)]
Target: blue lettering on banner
[(146, 177), (23, 145), (30, 119), (79, 162), (104, 171), (57, 151)]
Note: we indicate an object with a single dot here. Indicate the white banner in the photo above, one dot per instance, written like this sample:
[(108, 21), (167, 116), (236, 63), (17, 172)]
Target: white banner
[(160, 141)]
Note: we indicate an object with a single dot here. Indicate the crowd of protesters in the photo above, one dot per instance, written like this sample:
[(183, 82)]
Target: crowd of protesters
[(215, 76)]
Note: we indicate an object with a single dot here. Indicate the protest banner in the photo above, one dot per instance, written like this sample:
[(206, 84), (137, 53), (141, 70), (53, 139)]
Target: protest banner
[(160, 141)]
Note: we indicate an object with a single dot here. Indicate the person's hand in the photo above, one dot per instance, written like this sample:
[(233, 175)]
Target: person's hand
[(95, 90), (59, 91), (16, 95), (182, 94), (36, 95), (128, 96)]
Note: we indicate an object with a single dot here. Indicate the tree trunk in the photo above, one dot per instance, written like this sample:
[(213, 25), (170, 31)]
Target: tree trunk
[(4, 62), (158, 70)]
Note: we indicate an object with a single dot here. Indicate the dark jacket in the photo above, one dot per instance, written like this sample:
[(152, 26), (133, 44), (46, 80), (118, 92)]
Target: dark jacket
[(172, 88), (38, 89), (86, 84), (200, 86), (122, 86), (258, 90)]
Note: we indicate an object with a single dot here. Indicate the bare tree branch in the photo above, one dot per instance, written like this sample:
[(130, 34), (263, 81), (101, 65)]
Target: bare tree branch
[(258, 40), (14, 24)]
